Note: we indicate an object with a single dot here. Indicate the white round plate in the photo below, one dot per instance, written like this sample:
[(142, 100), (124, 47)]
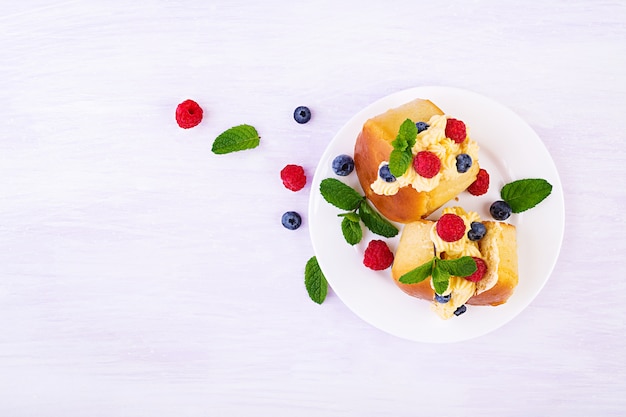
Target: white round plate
[(509, 150)]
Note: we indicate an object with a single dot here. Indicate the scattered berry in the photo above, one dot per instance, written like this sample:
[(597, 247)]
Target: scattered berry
[(460, 310), (421, 126), (500, 210), (477, 231), (293, 177), (343, 165), (188, 114), (481, 185), (385, 174), (302, 114), (377, 256), (426, 164), (463, 162), (442, 298), (455, 130), (291, 220), (481, 268), (450, 227)]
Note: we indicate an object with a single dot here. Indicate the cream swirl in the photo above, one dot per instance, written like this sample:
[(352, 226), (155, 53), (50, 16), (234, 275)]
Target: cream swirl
[(433, 140), (459, 289)]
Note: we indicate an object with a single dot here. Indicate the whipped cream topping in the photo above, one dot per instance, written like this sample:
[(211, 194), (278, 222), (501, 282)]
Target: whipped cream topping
[(434, 140), (460, 289)]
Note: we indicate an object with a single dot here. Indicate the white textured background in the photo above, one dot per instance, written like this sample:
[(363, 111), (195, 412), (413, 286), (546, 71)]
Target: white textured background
[(141, 275)]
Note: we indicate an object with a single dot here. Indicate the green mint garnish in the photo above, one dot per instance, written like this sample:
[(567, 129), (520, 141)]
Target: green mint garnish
[(375, 222), (524, 194), (401, 157), (440, 270), (418, 274), (441, 280), (340, 195), (351, 228), (236, 138), (345, 197), (460, 267), (315, 281)]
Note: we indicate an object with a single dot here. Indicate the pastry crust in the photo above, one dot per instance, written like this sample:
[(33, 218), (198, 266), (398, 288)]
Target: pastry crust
[(502, 236), (373, 146), (499, 250), (415, 248)]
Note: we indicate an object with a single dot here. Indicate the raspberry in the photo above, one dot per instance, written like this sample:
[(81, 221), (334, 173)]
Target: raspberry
[(377, 256), (481, 185), (293, 177), (188, 114), (455, 130), (450, 227), (481, 268), (426, 164)]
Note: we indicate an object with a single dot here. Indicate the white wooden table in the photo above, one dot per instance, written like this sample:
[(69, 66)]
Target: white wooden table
[(142, 275)]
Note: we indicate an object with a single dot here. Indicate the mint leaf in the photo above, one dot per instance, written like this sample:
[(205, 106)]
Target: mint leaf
[(407, 134), (375, 222), (461, 267), (351, 230), (352, 216), (524, 194), (418, 274), (440, 270), (399, 162), (315, 281), (236, 138), (441, 279), (340, 195), (401, 157)]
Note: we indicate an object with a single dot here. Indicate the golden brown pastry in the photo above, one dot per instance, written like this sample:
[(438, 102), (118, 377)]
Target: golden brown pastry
[(412, 197), (419, 243)]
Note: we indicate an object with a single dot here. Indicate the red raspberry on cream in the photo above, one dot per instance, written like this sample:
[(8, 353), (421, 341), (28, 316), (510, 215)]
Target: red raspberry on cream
[(481, 268), (450, 227), (455, 130), (427, 164)]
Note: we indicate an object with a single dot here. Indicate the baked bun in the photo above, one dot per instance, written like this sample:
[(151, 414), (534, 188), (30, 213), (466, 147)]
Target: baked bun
[(405, 203), (498, 248)]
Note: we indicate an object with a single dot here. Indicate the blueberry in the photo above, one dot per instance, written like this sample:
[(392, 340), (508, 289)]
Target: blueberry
[(421, 126), (460, 310), (343, 165), (302, 114), (477, 231), (385, 174), (291, 220), (442, 298), (500, 210), (463, 162)]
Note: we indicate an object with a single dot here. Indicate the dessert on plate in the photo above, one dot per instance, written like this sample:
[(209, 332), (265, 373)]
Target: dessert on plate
[(440, 162), (457, 233)]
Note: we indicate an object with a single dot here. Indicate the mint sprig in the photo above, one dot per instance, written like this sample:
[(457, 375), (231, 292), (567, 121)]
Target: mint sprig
[(235, 139), (401, 156), (345, 197), (340, 195), (440, 270), (315, 281), (351, 228), (525, 194), (375, 222)]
